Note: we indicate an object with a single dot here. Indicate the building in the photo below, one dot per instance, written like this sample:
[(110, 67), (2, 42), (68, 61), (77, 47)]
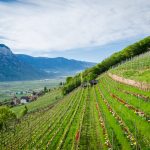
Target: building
[(24, 99), (15, 101), (93, 82)]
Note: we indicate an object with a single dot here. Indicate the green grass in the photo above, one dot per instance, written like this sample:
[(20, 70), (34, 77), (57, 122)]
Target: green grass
[(137, 68), (136, 124), (9, 89), (118, 140), (130, 99), (69, 143), (57, 127)]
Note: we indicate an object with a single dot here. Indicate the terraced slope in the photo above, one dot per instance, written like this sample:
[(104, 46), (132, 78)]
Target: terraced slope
[(137, 69), (130, 107), (110, 115)]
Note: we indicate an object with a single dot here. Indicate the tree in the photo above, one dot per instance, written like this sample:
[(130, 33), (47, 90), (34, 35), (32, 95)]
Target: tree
[(68, 79), (45, 89), (6, 117), (61, 83), (24, 112)]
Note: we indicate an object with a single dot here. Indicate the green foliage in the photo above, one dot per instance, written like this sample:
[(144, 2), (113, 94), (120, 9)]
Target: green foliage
[(40, 103), (137, 69), (71, 84), (6, 116), (91, 73), (68, 79), (61, 83), (45, 89), (87, 118), (24, 111), (16, 86)]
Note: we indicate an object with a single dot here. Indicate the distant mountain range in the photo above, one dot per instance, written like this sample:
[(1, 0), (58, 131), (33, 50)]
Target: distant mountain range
[(15, 67)]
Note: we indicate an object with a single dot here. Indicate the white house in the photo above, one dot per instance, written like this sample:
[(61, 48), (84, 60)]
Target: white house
[(23, 101)]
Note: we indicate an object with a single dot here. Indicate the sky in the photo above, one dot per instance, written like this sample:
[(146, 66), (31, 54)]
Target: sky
[(89, 30)]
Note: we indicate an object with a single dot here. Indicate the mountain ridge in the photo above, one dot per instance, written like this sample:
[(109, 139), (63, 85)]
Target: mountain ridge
[(54, 64), (15, 67)]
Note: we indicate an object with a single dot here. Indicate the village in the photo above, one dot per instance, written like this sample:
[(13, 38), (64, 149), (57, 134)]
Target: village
[(33, 95), (26, 97)]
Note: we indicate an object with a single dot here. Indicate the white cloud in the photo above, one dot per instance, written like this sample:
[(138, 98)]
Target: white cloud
[(36, 25)]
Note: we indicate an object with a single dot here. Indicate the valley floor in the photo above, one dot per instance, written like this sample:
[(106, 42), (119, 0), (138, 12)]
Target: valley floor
[(22, 88)]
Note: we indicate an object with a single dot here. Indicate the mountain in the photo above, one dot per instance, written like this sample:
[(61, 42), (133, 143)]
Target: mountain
[(57, 65), (23, 67), (11, 68)]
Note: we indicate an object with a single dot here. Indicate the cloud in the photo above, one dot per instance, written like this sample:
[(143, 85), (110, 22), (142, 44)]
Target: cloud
[(58, 25), (2, 37)]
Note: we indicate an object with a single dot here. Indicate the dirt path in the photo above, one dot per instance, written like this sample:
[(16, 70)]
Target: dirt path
[(137, 84)]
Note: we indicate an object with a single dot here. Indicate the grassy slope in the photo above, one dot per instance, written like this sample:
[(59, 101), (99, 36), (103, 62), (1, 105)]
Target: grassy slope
[(137, 69)]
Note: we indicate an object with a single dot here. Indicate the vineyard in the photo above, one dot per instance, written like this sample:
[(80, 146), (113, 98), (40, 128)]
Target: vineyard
[(137, 69), (109, 115)]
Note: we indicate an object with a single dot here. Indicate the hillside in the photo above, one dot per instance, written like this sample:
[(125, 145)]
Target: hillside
[(11, 68), (127, 53), (137, 69), (109, 115), (23, 67)]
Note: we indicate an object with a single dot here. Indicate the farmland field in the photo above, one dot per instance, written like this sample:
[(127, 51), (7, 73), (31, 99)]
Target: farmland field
[(44, 101), (9, 89), (109, 115)]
